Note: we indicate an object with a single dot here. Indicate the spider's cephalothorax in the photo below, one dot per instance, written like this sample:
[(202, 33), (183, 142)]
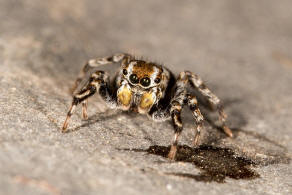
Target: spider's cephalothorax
[(146, 88), (140, 85)]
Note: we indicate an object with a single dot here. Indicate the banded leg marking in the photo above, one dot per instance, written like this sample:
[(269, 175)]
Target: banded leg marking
[(106, 60), (84, 109), (96, 79), (80, 97), (94, 63), (222, 118), (193, 105), (198, 83), (175, 113)]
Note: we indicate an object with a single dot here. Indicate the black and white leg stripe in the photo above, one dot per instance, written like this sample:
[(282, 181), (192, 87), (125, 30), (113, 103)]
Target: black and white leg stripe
[(175, 113), (198, 83), (93, 64), (94, 83), (193, 105)]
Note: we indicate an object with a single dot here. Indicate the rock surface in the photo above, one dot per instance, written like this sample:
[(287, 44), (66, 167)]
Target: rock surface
[(242, 48)]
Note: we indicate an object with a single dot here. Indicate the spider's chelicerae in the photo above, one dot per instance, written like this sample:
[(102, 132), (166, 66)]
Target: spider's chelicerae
[(146, 88)]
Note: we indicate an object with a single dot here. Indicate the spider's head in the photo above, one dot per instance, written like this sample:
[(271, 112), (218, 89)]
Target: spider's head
[(144, 85), (142, 74)]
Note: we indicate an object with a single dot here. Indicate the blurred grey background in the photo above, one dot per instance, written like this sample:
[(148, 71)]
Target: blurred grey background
[(242, 49)]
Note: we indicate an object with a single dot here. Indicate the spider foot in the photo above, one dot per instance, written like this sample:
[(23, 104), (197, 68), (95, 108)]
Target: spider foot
[(84, 115), (84, 110), (196, 140), (172, 153), (227, 130), (65, 125)]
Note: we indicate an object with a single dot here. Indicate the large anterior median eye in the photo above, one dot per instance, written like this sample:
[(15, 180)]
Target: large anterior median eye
[(134, 79), (145, 81)]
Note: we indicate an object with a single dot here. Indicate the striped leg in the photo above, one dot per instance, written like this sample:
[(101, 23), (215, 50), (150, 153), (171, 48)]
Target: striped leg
[(94, 63), (84, 109), (80, 97), (106, 60), (193, 105), (86, 72), (175, 113), (97, 82), (198, 83), (84, 103)]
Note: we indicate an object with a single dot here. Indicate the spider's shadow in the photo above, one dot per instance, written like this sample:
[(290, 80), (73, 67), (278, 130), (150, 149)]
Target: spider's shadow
[(215, 163)]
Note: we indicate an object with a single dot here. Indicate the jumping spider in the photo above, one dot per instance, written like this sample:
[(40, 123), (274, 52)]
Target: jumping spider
[(146, 88)]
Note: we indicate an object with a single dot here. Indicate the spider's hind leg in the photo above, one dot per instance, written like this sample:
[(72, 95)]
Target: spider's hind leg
[(198, 83)]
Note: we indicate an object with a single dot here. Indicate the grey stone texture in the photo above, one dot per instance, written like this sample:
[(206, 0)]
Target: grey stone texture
[(242, 49)]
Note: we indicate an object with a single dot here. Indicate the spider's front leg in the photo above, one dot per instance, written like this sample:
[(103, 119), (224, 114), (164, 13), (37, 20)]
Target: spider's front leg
[(175, 113), (176, 106), (98, 82), (180, 98), (90, 80)]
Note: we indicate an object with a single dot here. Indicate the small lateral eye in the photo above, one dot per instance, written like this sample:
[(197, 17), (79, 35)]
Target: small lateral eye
[(125, 72), (157, 80), (134, 79), (145, 81)]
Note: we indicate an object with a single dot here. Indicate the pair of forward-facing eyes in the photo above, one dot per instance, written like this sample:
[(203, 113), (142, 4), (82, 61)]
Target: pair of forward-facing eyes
[(145, 81)]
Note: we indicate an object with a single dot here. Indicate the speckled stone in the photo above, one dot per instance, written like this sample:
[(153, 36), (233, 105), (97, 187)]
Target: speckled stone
[(242, 49)]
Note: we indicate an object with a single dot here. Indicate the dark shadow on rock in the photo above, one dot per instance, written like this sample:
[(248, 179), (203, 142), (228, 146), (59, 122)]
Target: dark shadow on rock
[(275, 154), (215, 163)]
